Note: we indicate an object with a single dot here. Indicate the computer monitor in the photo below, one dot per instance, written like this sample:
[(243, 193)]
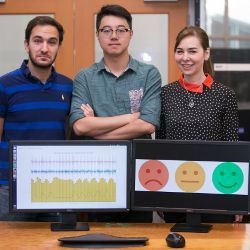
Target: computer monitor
[(69, 177), (194, 177), (244, 125)]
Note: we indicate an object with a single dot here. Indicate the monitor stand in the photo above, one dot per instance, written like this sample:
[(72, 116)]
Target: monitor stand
[(69, 223), (193, 224)]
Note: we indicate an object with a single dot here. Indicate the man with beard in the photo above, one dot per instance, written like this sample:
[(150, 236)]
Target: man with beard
[(34, 99)]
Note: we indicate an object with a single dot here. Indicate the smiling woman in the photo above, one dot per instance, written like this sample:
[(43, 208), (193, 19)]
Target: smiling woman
[(196, 107)]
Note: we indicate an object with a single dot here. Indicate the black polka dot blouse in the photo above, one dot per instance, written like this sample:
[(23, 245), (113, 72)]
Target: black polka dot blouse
[(211, 115)]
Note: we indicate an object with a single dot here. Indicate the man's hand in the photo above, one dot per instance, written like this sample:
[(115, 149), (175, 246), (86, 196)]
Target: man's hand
[(87, 110), (135, 116), (124, 126)]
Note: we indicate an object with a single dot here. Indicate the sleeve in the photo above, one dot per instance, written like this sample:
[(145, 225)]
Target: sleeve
[(151, 103), (4, 163), (161, 131), (80, 95), (3, 102), (230, 119)]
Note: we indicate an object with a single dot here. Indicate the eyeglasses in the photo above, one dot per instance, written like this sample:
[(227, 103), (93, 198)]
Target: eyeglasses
[(108, 32)]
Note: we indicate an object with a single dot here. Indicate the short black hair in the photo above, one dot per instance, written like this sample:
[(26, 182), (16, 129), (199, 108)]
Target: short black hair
[(44, 20), (113, 10)]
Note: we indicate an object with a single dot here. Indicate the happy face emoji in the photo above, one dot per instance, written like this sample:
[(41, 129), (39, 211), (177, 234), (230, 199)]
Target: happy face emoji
[(228, 178), (153, 175), (190, 176)]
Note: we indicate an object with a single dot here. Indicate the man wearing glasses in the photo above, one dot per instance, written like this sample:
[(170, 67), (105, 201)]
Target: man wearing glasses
[(119, 97)]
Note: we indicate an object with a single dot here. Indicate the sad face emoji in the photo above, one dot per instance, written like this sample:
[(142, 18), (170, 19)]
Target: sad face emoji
[(153, 175), (190, 176)]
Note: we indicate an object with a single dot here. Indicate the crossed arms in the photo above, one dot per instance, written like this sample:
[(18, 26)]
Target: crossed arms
[(125, 126), (86, 121)]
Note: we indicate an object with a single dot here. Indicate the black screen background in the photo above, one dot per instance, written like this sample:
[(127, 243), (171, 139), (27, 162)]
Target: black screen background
[(190, 151)]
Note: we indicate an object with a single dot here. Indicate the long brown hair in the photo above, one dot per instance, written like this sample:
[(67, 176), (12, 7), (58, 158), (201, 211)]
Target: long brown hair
[(204, 40)]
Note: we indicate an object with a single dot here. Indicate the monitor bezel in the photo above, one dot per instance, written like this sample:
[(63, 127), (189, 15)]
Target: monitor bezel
[(187, 143), (126, 143)]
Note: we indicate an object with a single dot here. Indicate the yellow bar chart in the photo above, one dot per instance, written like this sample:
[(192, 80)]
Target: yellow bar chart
[(59, 190)]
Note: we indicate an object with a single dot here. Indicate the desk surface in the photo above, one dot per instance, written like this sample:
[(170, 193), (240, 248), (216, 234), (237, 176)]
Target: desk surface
[(37, 235)]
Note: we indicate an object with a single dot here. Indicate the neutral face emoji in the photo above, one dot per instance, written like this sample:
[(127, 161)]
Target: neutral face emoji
[(153, 175), (190, 176), (228, 178)]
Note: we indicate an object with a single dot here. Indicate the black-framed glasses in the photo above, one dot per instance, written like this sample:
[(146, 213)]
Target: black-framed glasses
[(108, 32)]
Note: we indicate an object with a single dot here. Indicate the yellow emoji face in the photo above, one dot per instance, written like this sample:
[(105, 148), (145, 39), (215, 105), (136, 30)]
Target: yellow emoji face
[(190, 176)]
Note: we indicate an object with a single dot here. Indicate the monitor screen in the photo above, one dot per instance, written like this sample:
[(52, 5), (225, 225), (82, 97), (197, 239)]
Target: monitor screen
[(191, 176), (244, 124), (69, 176)]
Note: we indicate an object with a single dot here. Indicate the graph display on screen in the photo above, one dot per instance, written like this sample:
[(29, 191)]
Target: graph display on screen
[(70, 176), (81, 190)]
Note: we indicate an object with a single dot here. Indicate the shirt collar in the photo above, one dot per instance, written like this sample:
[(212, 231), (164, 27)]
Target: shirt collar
[(132, 65), (28, 75), (196, 87)]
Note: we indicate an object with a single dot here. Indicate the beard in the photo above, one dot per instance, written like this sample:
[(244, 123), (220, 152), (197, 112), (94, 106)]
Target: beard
[(41, 65)]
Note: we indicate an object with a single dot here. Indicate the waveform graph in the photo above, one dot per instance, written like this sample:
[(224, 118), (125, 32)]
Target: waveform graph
[(84, 176), (59, 190), (72, 176)]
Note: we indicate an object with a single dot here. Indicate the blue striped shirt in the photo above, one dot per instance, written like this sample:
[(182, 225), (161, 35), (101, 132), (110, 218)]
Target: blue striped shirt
[(31, 109)]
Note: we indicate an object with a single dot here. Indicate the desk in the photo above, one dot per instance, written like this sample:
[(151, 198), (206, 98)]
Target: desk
[(37, 235)]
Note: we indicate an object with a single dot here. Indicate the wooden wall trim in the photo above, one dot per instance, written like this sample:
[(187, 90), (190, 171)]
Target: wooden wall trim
[(77, 17), (84, 45), (62, 10)]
